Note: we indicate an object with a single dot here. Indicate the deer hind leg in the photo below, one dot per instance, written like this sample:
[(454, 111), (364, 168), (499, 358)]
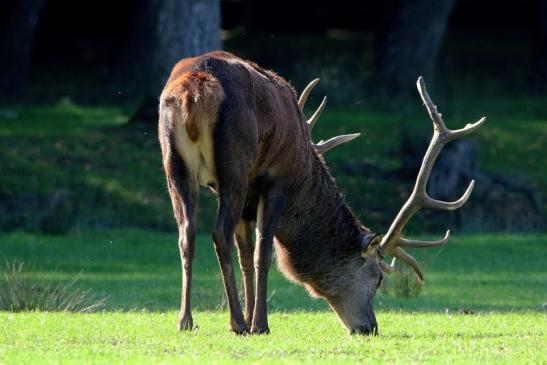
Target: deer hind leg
[(245, 251), (183, 190), (270, 209), (234, 152), (229, 211)]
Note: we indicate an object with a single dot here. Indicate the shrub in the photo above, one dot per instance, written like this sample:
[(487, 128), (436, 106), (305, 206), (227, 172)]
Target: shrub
[(18, 292), (402, 283)]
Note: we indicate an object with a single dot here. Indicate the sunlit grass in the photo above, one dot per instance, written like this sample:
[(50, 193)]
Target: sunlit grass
[(500, 278), (299, 337)]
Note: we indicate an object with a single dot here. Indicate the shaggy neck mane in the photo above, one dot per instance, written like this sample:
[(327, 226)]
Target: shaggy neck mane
[(318, 229)]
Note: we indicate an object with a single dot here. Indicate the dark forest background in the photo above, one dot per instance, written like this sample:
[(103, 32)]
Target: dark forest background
[(79, 83), (125, 49)]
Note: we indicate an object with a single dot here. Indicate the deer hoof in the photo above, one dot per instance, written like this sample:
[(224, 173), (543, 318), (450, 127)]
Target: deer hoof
[(186, 324), (260, 331), (240, 329)]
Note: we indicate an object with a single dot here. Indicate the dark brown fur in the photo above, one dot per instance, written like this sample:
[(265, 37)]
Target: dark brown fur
[(268, 172)]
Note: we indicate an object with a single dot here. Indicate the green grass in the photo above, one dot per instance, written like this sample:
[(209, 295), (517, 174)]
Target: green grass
[(501, 278), (138, 338), (113, 173), (138, 270)]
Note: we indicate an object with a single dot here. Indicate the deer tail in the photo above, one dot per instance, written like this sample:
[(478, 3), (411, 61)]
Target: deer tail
[(195, 97)]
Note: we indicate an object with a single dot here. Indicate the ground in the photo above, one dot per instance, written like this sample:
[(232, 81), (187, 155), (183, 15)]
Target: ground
[(499, 279), (301, 337)]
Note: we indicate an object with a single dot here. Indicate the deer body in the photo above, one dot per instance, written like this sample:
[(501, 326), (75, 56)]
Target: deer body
[(227, 124)]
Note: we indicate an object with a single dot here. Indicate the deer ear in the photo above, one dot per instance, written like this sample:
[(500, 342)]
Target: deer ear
[(370, 243)]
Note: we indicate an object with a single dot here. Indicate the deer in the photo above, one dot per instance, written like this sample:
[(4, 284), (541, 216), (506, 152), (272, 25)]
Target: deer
[(227, 124)]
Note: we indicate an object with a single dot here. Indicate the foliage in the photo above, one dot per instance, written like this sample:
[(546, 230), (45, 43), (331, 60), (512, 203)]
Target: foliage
[(403, 283), (20, 293)]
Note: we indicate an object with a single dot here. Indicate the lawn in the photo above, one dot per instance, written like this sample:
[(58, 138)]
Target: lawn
[(501, 279), (301, 337), (112, 174)]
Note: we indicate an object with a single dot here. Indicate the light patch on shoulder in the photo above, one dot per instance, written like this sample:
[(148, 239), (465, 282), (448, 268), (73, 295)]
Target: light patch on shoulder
[(198, 155), (247, 66)]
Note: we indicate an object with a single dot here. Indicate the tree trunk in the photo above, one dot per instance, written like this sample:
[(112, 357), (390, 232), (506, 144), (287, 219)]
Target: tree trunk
[(18, 22), (408, 43), (538, 75), (165, 32)]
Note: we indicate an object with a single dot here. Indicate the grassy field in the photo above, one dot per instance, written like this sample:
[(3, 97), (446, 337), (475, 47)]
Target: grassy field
[(499, 278), (112, 175), (302, 337)]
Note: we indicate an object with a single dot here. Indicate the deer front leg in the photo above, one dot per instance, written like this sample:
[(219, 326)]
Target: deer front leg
[(245, 250), (270, 208)]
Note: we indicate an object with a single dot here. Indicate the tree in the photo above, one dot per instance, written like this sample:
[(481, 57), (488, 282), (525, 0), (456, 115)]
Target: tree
[(408, 43), (18, 22), (164, 31), (539, 63)]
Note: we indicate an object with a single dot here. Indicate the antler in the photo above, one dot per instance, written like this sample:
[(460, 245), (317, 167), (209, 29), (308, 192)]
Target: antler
[(306, 93), (322, 146), (392, 242)]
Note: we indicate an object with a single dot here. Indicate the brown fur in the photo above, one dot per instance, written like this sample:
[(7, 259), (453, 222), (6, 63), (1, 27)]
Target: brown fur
[(199, 95)]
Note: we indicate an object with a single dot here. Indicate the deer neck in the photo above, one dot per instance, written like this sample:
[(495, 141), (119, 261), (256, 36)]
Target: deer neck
[(317, 229)]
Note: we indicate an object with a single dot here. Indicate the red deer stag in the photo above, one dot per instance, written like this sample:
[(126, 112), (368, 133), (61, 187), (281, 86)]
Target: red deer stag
[(230, 125)]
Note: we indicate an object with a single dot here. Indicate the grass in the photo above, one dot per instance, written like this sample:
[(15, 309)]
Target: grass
[(501, 278), (138, 338), (113, 176), (18, 293), (140, 270)]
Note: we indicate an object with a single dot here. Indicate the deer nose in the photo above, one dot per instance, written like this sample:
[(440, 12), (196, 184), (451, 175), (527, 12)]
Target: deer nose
[(369, 330)]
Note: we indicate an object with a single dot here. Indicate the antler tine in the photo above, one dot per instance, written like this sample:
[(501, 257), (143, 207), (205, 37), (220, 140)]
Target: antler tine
[(311, 122), (306, 93), (436, 117), (392, 242), (302, 101), (469, 128), (438, 204), (388, 268), (324, 146), (403, 242), (405, 257)]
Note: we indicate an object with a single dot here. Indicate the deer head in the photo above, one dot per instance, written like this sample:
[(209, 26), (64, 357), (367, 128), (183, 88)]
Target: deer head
[(353, 298)]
